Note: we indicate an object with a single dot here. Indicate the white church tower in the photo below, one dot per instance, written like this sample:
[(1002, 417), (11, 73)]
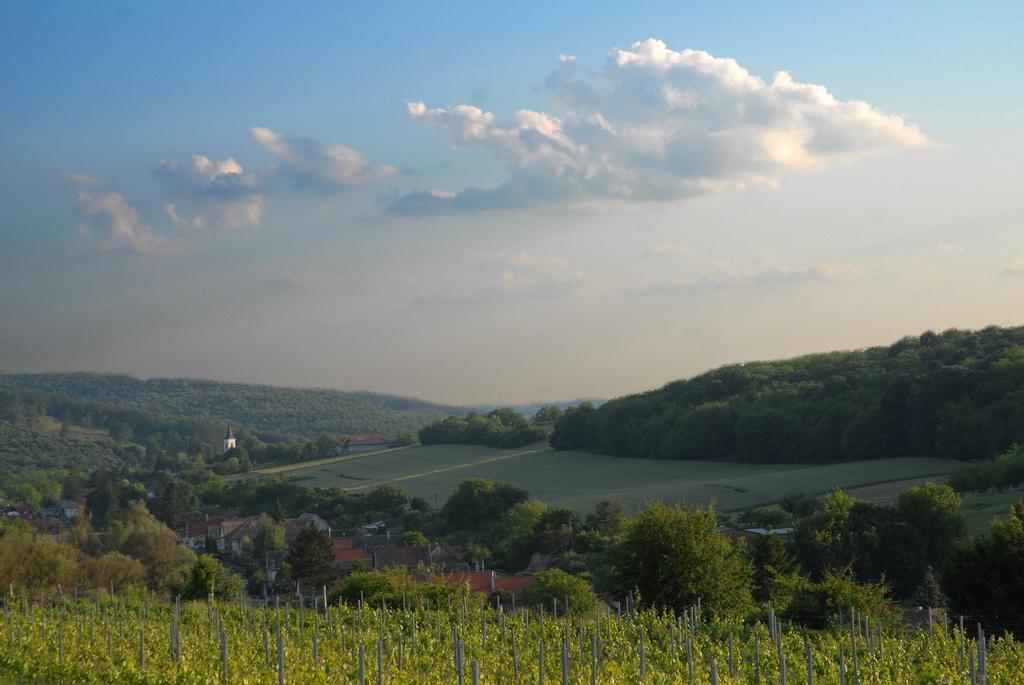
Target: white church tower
[(229, 440)]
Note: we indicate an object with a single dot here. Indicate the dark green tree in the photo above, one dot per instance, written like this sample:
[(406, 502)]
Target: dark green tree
[(558, 586), (675, 556), (208, 578), (311, 557)]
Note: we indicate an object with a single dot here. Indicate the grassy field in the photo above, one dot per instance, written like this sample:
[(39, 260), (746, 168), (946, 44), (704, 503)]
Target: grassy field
[(981, 508), (578, 480)]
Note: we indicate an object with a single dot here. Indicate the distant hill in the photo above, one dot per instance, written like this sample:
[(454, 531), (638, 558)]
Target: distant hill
[(956, 394), (264, 409)]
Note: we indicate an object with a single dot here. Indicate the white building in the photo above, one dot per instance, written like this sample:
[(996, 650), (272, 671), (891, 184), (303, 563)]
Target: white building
[(229, 441)]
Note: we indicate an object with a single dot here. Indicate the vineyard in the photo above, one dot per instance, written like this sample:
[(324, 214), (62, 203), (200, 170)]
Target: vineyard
[(466, 641)]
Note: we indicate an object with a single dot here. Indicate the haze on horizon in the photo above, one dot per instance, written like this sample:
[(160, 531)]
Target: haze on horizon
[(501, 204)]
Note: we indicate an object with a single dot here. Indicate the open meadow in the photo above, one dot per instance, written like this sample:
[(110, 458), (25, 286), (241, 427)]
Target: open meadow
[(580, 480)]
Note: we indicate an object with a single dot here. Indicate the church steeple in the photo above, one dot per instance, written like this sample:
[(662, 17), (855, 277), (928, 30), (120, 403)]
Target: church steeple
[(229, 440)]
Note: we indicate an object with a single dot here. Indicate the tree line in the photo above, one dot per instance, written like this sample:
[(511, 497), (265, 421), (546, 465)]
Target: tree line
[(955, 394), (503, 427)]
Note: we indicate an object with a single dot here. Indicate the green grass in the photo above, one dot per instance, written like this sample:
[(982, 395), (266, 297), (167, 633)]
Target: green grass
[(981, 508), (580, 480), (302, 466)]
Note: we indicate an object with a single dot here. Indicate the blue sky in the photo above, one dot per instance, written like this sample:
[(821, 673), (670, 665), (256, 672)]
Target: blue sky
[(335, 235)]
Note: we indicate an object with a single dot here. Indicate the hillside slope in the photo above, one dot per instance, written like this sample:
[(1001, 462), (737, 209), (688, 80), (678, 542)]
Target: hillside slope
[(958, 395), (259, 408)]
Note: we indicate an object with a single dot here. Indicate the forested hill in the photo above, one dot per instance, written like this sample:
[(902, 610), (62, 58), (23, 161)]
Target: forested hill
[(258, 408), (957, 394)]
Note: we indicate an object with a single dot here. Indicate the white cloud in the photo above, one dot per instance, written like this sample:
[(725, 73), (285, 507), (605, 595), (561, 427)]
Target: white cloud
[(948, 248), (658, 124), (521, 271), (80, 179), (728, 276), (212, 194), (319, 164), (670, 249), (118, 222), (1016, 268)]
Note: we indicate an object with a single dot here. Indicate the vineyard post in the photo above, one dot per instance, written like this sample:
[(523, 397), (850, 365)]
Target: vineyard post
[(643, 664), (982, 665), (362, 665), (380, 662), (732, 664), (476, 672), (316, 647), (757, 658), (593, 659), (224, 655), (714, 672), (565, 663), (689, 655), (266, 648), (458, 661), (853, 646), (931, 625), (280, 654), (540, 662), (842, 666), (963, 645), (782, 668), (400, 652), (810, 661), (515, 658), (142, 650), (972, 676)]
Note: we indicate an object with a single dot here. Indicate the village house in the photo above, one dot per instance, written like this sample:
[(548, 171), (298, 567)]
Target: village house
[(365, 442), (294, 525), (484, 582)]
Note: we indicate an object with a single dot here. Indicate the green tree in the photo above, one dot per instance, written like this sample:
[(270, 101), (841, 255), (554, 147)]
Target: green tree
[(770, 559), (311, 557), (141, 536), (412, 538), (172, 501), (269, 537), (930, 594), (557, 585), (208, 578), (477, 504), (112, 569), (985, 578), (675, 556), (405, 438), (798, 598)]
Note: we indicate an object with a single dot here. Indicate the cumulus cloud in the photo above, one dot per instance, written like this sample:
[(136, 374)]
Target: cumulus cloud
[(318, 164), (117, 222), (948, 249), (657, 124), (212, 194)]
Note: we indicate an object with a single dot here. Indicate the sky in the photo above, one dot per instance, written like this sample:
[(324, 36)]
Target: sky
[(472, 202)]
